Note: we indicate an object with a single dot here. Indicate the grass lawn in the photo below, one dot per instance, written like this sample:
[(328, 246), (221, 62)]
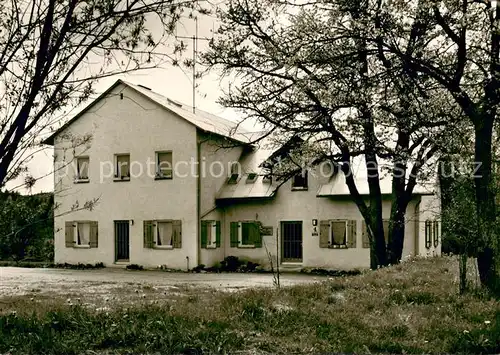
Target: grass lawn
[(413, 307)]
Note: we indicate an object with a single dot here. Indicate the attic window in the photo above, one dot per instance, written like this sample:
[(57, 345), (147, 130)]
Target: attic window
[(251, 178), (233, 177), (267, 178), (299, 181)]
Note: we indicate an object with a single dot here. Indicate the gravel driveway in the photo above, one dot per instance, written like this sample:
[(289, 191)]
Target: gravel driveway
[(119, 286)]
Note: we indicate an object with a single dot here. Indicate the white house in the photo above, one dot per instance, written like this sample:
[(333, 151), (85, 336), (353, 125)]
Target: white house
[(168, 193)]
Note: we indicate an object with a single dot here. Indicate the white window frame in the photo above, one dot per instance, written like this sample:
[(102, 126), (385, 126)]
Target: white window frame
[(75, 234), (305, 176), (156, 236), (330, 236), (251, 181), (240, 235), (117, 171), (159, 174), (78, 178), (234, 174), (212, 242)]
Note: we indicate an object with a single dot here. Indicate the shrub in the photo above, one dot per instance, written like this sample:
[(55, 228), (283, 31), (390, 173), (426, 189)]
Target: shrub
[(134, 267), (230, 263)]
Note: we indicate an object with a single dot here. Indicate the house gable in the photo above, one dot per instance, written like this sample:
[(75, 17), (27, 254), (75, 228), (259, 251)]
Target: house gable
[(202, 120)]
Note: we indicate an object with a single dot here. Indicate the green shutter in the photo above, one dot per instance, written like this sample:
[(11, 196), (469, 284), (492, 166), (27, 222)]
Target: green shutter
[(324, 234), (351, 234), (364, 234), (255, 235), (148, 234), (217, 234), (177, 231), (69, 234), (204, 230), (234, 234), (428, 234), (436, 233), (93, 241)]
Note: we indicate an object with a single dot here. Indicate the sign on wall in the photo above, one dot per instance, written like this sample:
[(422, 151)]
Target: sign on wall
[(266, 230)]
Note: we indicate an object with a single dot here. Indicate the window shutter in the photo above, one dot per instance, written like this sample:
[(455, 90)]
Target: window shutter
[(364, 233), (93, 241), (234, 234), (217, 234), (255, 235), (351, 234), (204, 228), (428, 234), (148, 234), (69, 234), (177, 231), (324, 234), (436, 233)]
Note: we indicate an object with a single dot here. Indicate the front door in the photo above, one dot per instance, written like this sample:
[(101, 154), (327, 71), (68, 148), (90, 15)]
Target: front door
[(291, 241), (122, 241)]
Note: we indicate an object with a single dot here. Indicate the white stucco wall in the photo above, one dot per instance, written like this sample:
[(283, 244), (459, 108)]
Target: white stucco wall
[(137, 126), (305, 206), (216, 155), (429, 209)]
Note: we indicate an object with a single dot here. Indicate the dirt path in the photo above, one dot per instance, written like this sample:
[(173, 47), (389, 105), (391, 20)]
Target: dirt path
[(103, 287)]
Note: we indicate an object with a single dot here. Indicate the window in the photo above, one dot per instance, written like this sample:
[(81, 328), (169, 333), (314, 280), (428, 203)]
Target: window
[(82, 169), (251, 178), (436, 234), (428, 233), (246, 234), (234, 175), (337, 234), (81, 234), (164, 167), (210, 234), (299, 181), (122, 167), (163, 234), (267, 179)]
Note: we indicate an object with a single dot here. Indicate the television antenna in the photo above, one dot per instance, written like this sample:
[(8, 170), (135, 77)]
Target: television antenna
[(195, 39)]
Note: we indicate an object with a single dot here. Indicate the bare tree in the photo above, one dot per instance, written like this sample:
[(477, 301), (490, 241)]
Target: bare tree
[(52, 52), (311, 70), (457, 44)]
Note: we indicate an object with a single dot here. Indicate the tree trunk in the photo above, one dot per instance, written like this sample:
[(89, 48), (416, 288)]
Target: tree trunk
[(462, 265), (396, 234), (485, 197)]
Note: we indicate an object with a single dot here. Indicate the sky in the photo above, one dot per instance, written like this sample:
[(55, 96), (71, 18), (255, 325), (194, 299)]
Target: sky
[(172, 82)]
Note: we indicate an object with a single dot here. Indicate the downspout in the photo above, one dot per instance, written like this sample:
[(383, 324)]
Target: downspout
[(417, 226), (223, 240), (198, 201)]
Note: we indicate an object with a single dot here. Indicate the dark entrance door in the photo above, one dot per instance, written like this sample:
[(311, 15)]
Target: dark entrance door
[(291, 241), (122, 241)]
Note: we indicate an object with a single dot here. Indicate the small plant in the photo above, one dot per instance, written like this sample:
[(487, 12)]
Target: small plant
[(217, 267), (275, 271), (231, 263), (199, 268), (79, 266), (134, 267)]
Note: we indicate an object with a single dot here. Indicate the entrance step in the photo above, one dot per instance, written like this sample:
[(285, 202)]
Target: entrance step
[(290, 267)]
